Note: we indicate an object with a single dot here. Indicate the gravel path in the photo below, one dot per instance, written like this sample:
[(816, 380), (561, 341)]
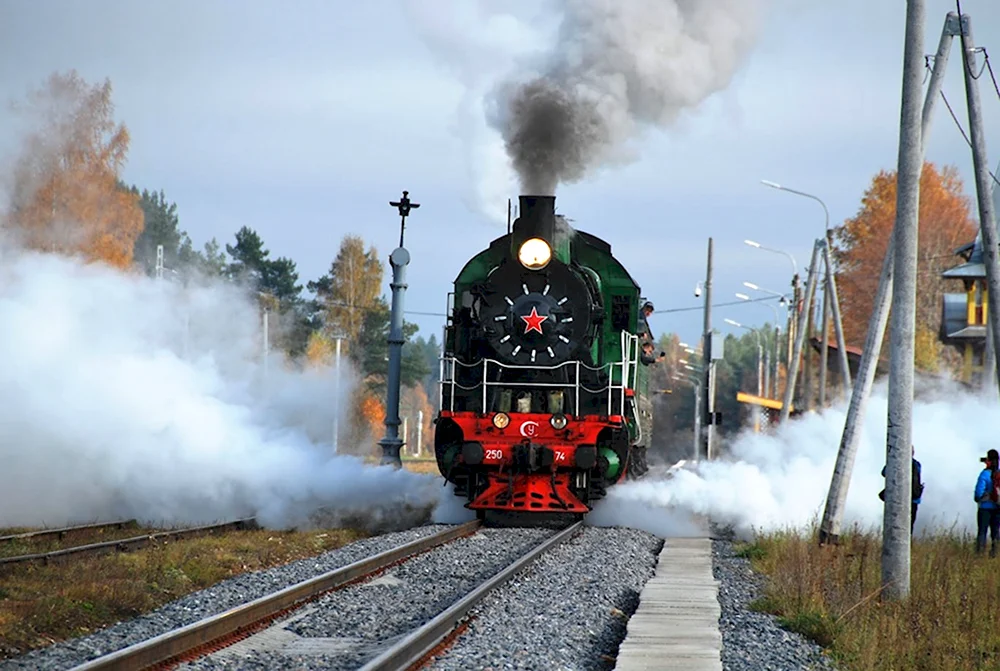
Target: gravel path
[(753, 641), (566, 612), (348, 627), (222, 596)]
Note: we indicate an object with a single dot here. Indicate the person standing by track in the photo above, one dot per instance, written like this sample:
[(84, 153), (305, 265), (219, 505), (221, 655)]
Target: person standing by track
[(987, 495)]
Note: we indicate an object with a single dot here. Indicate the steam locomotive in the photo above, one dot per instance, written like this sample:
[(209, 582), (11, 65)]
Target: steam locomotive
[(544, 404)]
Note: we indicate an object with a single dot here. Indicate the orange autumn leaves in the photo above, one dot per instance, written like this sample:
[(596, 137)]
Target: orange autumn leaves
[(66, 196), (945, 223), (373, 413)]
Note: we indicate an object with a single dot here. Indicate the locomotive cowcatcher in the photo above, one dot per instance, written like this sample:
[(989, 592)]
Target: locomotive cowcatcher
[(544, 404)]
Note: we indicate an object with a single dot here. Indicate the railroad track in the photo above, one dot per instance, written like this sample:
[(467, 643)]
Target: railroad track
[(214, 633), (64, 531), (413, 649), (119, 545)]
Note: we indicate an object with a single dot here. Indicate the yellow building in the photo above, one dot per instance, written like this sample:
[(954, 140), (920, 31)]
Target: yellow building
[(963, 318)]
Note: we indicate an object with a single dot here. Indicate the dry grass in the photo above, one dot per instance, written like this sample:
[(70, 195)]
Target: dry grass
[(832, 595), (43, 604)]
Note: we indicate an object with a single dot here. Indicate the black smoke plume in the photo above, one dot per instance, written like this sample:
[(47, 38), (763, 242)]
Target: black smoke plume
[(616, 67)]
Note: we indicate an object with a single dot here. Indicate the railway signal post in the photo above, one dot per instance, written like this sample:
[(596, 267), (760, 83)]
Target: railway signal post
[(399, 259)]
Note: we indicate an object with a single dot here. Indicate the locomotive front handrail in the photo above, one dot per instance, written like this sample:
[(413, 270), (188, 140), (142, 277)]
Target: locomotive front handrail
[(615, 392), (621, 375), (572, 362)]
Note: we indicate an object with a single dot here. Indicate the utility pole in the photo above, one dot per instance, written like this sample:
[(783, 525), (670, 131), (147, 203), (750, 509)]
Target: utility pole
[(267, 345), (776, 363), (987, 217), (800, 335), (767, 372), (838, 324), (336, 396), (697, 420), (793, 380), (815, 317), (896, 518), (988, 378), (399, 259), (159, 262), (825, 334), (420, 432), (707, 402), (837, 497)]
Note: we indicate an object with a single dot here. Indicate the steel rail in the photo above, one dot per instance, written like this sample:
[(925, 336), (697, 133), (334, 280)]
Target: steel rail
[(179, 642), (411, 649), (124, 544), (43, 533)]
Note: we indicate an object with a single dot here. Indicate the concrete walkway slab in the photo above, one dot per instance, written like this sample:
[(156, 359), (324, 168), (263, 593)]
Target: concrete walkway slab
[(677, 623)]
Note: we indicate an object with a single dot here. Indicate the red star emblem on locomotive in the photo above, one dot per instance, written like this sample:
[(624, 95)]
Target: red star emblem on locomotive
[(533, 321)]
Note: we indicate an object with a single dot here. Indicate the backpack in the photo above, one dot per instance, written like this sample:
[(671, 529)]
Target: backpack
[(995, 489), (917, 487)]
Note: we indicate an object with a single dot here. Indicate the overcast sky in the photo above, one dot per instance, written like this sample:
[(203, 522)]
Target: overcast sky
[(303, 119)]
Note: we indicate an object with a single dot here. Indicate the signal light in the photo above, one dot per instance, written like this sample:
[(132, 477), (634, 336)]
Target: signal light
[(501, 419)]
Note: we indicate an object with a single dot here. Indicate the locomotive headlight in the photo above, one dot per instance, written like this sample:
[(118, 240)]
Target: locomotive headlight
[(534, 254), (501, 419), (558, 422)]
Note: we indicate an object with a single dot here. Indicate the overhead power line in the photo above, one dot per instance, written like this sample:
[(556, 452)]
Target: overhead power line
[(716, 305)]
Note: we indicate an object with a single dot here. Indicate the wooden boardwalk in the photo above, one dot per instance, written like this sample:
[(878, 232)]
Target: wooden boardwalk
[(677, 623)]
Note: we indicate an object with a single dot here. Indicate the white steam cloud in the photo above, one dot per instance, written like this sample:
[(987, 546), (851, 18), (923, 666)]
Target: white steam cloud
[(574, 103), (121, 396), (781, 480)]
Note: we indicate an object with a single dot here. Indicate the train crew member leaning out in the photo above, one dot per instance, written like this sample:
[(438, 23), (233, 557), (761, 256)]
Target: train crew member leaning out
[(647, 354), (987, 495), (644, 312)]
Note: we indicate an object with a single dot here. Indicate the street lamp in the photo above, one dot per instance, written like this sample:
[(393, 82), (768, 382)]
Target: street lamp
[(751, 285), (819, 200), (777, 336), (826, 301), (695, 382), (762, 370), (760, 354), (744, 297), (757, 245)]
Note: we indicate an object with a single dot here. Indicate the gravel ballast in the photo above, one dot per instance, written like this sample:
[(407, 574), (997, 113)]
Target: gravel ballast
[(566, 612), (222, 596), (352, 625), (753, 641)]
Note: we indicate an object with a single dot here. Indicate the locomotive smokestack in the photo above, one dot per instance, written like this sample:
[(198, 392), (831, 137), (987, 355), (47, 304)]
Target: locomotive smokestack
[(536, 219)]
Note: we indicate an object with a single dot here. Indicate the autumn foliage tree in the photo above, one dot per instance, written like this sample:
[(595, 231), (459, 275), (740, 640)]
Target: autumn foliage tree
[(860, 244), (65, 195), (352, 287)]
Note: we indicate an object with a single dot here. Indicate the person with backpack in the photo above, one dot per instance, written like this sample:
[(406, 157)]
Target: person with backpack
[(987, 495), (916, 487)]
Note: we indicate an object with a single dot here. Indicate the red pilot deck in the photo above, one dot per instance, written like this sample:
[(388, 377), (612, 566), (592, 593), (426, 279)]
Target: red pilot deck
[(531, 457)]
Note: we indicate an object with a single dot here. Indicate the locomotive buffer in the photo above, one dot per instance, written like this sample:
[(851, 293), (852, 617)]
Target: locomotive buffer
[(399, 259)]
